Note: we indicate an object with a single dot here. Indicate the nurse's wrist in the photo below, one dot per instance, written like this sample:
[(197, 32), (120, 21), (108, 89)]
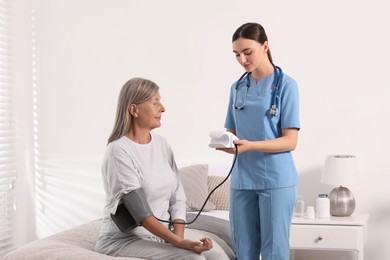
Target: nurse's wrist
[(253, 146), (256, 146)]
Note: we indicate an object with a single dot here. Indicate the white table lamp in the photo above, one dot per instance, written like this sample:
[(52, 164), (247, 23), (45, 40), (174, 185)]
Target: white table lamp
[(340, 170)]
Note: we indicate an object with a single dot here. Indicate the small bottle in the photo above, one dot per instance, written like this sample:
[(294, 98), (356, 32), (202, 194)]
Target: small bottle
[(323, 206), (310, 213), (300, 207)]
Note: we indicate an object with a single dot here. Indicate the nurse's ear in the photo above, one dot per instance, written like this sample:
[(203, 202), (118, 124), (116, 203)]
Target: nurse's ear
[(265, 46)]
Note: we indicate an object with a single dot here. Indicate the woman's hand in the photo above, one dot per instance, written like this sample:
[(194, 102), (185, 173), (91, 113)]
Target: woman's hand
[(158, 229), (205, 244)]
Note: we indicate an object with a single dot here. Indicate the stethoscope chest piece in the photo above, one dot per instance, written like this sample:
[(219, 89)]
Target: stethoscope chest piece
[(273, 111)]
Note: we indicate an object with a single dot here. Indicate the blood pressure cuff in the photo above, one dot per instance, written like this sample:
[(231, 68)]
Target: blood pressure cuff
[(132, 211)]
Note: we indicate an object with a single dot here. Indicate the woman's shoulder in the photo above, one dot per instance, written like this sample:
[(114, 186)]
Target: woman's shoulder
[(119, 144)]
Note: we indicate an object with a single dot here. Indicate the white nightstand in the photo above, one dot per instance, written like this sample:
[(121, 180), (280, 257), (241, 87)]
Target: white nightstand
[(335, 233)]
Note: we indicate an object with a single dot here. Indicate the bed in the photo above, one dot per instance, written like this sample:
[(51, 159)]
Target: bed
[(79, 242)]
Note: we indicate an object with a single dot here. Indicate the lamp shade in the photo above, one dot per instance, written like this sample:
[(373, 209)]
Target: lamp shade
[(340, 170)]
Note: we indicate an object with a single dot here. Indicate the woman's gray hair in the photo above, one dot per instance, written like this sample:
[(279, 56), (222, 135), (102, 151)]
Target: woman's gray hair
[(134, 91)]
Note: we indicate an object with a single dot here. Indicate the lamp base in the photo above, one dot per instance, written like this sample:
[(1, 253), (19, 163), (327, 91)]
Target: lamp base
[(342, 202)]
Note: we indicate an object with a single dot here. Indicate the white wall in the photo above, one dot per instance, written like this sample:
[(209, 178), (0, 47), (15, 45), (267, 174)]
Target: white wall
[(86, 50)]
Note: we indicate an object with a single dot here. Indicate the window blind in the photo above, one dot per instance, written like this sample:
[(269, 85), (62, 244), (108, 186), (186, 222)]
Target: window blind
[(7, 140)]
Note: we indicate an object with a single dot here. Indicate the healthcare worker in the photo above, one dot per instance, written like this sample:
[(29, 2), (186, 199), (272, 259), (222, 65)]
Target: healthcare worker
[(264, 114)]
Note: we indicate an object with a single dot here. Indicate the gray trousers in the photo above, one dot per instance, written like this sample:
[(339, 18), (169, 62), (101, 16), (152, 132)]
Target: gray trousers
[(126, 245)]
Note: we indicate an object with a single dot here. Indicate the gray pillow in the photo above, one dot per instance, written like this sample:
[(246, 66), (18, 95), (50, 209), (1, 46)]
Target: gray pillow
[(194, 180)]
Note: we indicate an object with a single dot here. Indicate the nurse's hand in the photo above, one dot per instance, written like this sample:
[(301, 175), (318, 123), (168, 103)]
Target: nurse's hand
[(242, 146)]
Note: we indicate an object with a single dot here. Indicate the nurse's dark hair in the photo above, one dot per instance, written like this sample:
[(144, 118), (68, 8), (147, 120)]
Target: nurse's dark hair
[(134, 91), (252, 31)]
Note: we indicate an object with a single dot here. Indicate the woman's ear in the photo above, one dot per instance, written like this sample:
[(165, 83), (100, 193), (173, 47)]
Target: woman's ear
[(133, 110)]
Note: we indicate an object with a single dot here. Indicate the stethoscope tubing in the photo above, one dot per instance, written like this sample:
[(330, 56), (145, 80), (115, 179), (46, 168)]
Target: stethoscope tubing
[(208, 197), (276, 85)]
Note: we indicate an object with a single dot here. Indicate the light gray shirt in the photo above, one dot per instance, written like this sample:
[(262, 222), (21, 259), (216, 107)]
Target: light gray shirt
[(128, 166)]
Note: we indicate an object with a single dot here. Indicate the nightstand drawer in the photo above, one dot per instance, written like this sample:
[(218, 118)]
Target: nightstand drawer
[(325, 237)]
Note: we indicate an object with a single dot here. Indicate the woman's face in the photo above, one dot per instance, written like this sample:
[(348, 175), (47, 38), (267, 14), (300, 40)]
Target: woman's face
[(249, 53), (148, 114)]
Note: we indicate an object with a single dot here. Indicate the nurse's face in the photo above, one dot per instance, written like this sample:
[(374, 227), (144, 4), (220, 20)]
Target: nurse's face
[(249, 53), (148, 114)]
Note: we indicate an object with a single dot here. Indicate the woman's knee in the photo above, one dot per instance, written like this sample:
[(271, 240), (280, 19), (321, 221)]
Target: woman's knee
[(195, 256), (215, 255)]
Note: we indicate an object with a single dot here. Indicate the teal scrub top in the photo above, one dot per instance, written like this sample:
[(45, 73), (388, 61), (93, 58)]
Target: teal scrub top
[(259, 170)]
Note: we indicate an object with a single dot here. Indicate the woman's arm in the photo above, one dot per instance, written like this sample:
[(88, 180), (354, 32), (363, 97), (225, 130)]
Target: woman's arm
[(178, 229), (158, 229), (287, 142)]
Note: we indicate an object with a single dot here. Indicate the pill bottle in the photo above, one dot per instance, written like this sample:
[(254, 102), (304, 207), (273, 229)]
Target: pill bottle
[(310, 213), (323, 206)]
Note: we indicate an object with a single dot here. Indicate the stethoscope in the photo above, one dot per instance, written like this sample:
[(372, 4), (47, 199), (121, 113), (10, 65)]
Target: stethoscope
[(273, 111)]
